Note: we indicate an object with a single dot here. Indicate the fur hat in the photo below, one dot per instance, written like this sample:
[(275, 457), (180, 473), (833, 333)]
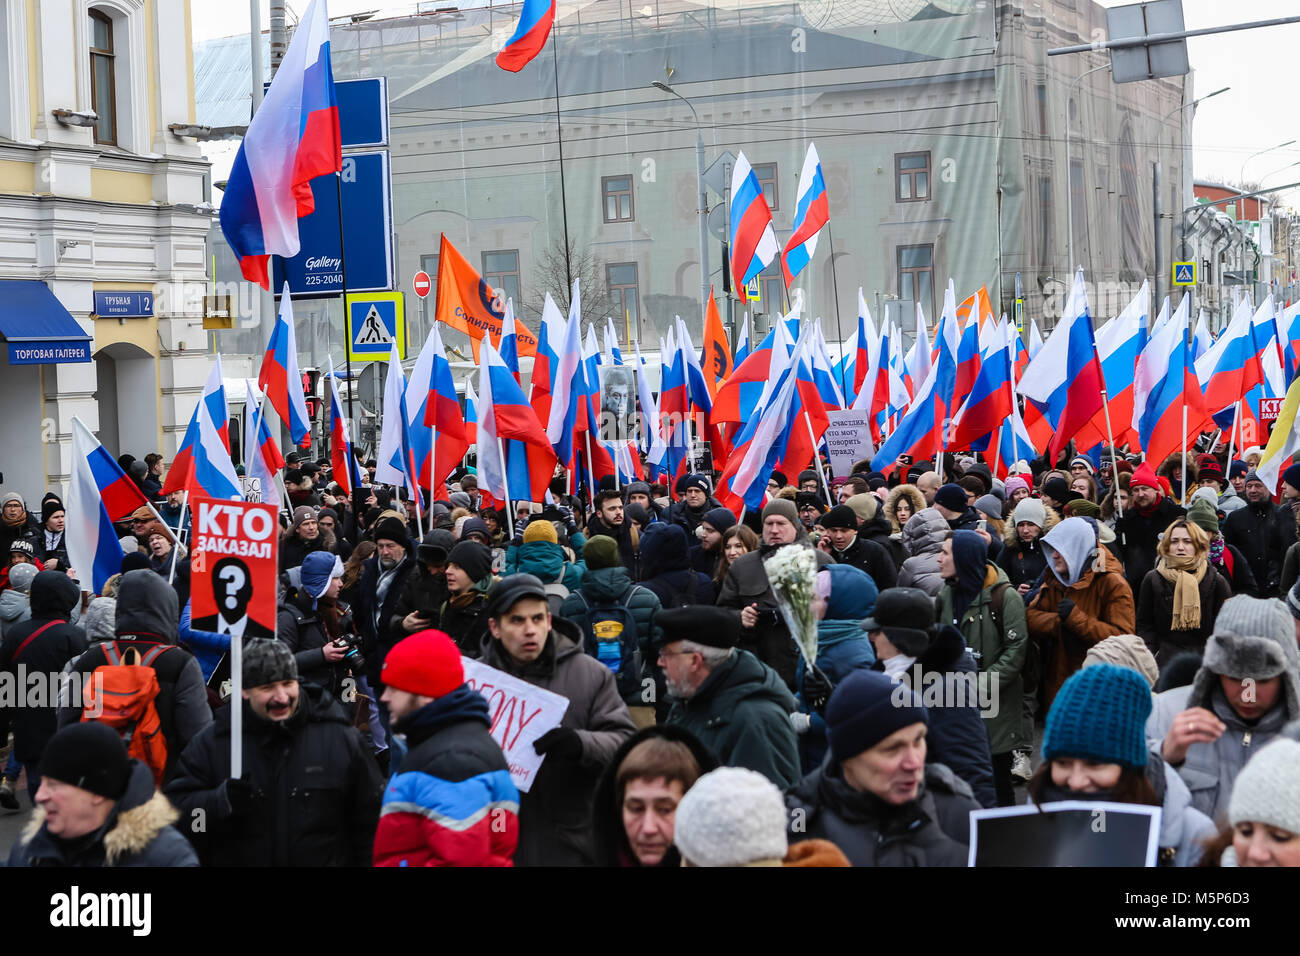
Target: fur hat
[(731, 817), (1252, 637)]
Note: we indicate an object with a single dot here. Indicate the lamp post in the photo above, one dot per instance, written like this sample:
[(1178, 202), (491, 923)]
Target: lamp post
[(1182, 231), (1069, 184), (704, 200)]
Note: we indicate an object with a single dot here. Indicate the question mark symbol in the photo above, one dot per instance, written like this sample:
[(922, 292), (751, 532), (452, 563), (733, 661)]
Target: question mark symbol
[(234, 578)]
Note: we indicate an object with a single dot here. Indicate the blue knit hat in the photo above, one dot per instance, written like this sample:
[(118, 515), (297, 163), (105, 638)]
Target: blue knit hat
[(1100, 714), (865, 708), (318, 568)]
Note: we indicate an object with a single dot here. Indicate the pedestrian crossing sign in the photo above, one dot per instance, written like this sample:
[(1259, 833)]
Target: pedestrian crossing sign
[(753, 292), (1185, 273), (374, 321)]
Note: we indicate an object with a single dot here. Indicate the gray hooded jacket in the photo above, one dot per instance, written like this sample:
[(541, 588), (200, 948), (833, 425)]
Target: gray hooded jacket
[(923, 538), (1210, 769)]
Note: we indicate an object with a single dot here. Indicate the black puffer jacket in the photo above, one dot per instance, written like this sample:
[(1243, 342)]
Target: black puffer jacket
[(294, 550), (666, 569), (871, 557), (316, 789), (1137, 536), (423, 594), (688, 518), (1256, 532), (48, 642), (301, 626), (139, 831), (29, 531), (373, 617), (609, 838), (932, 830)]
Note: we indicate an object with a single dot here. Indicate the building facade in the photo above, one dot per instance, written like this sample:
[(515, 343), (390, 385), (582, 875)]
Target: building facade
[(98, 194)]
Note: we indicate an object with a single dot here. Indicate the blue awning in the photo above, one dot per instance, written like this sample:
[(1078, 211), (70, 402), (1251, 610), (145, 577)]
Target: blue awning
[(38, 329)]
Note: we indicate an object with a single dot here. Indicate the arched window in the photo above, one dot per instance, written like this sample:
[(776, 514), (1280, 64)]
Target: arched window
[(102, 77)]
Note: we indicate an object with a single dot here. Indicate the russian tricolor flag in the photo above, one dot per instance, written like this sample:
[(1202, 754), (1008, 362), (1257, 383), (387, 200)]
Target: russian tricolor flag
[(202, 465), (1165, 384), (515, 459), (811, 213), (342, 460), (1119, 346), (1231, 367), (99, 493), (293, 139), (535, 22), (261, 453), (280, 378), (753, 243)]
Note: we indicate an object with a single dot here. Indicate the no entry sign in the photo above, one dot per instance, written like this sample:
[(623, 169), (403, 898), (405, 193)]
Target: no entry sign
[(421, 284)]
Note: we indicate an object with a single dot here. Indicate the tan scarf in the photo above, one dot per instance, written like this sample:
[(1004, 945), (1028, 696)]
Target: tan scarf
[(1186, 575)]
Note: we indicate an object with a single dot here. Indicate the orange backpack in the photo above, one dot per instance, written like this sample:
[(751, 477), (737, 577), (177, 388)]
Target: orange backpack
[(121, 695)]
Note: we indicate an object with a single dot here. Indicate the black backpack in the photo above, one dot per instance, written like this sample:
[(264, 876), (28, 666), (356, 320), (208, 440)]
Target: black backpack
[(610, 634)]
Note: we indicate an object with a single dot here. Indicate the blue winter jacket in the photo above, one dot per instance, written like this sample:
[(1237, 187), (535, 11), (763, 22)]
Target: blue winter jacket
[(544, 559), (208, 647)]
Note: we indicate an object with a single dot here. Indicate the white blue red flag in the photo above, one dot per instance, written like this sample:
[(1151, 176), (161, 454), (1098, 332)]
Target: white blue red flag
[(753, 242), (280, 378), (811, 213), (99, 493)]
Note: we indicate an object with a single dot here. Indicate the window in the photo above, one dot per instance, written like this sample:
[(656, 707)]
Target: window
[(617, 193), (771, 286), (1081, 210), (102, 77), (766, 173), (429, 264), (1040, 94), (912, 179), (621, 279), (916, 276), (1045, 224), (501, 272)]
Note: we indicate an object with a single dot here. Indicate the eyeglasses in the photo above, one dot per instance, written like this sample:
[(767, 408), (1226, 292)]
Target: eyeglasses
[(671, 653)]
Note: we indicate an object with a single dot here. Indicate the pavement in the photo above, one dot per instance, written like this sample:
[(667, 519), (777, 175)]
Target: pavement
[(13, 821)]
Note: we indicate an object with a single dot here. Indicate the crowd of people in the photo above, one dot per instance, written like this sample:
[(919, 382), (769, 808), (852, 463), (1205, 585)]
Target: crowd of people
[(1136, 630)]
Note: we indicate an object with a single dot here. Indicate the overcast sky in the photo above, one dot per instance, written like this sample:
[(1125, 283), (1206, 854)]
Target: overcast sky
[(1257, 113)]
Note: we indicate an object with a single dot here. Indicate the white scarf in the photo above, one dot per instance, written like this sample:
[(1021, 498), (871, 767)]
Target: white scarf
[(898, 665)]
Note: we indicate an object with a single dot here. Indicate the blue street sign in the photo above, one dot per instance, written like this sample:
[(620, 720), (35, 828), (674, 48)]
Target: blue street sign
[(130, 305), (48, 353), (367, 233), (363, 111)]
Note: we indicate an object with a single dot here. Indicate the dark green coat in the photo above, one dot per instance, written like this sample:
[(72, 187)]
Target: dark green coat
[(741, 712), (1002, 653), (607, 586)]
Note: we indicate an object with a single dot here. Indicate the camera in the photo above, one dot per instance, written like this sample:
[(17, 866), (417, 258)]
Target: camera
[(352, 655)]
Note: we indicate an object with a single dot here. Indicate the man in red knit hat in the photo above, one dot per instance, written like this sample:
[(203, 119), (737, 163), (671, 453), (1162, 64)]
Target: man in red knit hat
[(451, 801), (1149, 513)]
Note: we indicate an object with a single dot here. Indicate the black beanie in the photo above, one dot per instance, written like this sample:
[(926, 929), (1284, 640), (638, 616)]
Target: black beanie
[(392, 529), (719, 519), (89, 755), (473, 558), (841, 516), (867, 707), (135, 561), (49, 508)]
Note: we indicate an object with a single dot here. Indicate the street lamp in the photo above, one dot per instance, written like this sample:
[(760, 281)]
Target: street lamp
[(1069, 191), (704, 200)]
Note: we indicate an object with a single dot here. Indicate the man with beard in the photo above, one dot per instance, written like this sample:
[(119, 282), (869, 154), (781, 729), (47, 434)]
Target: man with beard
[(382, 578), (695, 503), (747, 589), (309, 792), (451, 801)]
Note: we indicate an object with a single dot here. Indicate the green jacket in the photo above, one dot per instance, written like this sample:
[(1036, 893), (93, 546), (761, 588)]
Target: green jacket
[(741, 712), (1000, 652), (607, 586)]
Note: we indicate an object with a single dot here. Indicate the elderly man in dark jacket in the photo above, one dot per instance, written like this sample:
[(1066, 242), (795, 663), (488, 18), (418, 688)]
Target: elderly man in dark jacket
[(309, 792), (145, 620), (1145, 519), (746, 588), (106, 809), (909, 645), (736, 705), (527, 643), (876, 797), (1254, 531), (39, 648)]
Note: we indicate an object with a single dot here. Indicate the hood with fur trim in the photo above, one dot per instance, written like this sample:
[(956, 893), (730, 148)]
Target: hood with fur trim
[(1012, 539), (912, 494)]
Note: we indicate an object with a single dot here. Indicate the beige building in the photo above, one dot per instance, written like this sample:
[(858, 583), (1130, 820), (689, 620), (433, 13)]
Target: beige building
[(102, 190)]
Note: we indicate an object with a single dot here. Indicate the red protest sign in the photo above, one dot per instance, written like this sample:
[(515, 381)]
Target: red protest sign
[(233, 567), (1269, 408)]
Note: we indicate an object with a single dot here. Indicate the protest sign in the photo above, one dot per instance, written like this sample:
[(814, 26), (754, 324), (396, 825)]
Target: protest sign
[(849, 439), (1065, 833), (520, 713)]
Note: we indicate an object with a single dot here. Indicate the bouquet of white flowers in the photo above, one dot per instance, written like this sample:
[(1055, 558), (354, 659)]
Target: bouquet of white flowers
[(792, 572)]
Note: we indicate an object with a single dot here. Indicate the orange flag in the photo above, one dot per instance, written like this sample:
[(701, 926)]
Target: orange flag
[(467, 303), (715, 359)]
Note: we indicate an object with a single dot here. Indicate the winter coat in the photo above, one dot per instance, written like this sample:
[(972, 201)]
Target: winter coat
[(741, 712), (923, 538), (146, 618), (302, 627), (294, 550), (608, 586), (29, 531), (451, 802), (1136, 537), (53, 546), (15, 607), (1290, 572), (1284, 517), (688, 518), (1234, 567), (1025, 563), (1155, 615), (1209, 769), (842, 648), (931, 830), (746, 583), (914, 498), (423, 594), (315, 783), (666, 568), (208, 647), (139, 831), (957, 737), (545, 560), (467, 625), (871, 557), (609, 838), (1256, 533), (555, 814), (50, 643), (1103, 606), (996, 650), (373, 617)]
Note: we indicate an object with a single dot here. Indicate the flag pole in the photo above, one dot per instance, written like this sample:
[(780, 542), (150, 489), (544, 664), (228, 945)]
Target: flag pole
[(591, 468), (185, 500), (505, 485), (835, 290), (343, 278), (826, 485), (1114, 461), (1232, 431)]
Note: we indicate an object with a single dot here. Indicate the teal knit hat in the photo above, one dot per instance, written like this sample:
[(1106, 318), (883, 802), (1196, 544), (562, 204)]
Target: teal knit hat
[(1100, 714)]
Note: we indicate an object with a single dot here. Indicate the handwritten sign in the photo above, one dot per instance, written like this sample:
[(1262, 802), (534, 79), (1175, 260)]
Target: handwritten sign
[(849, 439), (520, 713)]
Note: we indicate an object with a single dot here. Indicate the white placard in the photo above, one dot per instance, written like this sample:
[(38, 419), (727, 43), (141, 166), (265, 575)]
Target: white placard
[(849, 439), (520, 713)]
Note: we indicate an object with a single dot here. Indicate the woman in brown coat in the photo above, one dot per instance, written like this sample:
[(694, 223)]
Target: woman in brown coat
[(1082, 602)]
